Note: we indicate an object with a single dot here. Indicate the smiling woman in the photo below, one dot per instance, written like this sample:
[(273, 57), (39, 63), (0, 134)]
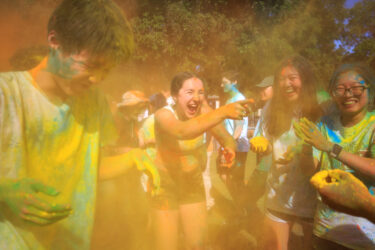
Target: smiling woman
[(345, 140), (290, 197)]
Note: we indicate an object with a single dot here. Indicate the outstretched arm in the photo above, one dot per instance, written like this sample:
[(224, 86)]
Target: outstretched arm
[(194, 127), (114, 166)]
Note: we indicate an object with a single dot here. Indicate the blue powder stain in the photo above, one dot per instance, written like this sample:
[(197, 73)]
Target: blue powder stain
[(372, 190), (333, 136)]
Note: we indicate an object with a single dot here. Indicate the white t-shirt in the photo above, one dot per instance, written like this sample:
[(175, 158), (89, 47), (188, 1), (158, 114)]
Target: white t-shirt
[(288, 188)]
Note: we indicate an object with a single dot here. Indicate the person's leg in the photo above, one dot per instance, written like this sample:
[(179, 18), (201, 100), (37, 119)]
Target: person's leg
[(207, 180), (276, 233), (194, 223), (235, 182), (307, 227), (165, 227), (165, 214)]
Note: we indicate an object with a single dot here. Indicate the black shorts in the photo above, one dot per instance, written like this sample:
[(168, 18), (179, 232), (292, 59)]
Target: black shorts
[(179, 188)]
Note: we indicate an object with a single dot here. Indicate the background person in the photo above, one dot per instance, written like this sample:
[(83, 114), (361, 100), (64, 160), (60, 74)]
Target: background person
[(256, 184), (122, 216), (238, 129)]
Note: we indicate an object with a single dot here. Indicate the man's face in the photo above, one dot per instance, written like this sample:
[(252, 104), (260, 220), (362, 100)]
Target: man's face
[(227, 84), (76, 73), (266, 93)]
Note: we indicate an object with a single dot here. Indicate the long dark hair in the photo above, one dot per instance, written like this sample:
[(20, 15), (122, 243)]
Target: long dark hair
[(363, 70), (279, 114)]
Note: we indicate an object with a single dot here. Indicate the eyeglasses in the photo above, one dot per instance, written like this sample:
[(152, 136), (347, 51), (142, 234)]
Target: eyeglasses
[(355, 91)]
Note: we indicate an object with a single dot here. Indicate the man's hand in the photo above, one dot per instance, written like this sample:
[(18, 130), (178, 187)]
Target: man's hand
[(309, 132), (259, 144), (21, 196), (341, 191), (144, 163)]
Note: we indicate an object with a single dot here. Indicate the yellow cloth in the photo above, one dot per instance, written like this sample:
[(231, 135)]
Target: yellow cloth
[(57, 143)]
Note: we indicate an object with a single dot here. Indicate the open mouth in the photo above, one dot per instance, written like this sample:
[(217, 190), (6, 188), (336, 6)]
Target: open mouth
[(192, 108)]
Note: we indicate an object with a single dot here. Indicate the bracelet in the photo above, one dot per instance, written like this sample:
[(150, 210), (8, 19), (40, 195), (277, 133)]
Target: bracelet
[(335, 151)]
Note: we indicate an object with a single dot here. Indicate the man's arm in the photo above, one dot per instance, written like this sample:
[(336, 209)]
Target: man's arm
[(239, 126), (114, 166)]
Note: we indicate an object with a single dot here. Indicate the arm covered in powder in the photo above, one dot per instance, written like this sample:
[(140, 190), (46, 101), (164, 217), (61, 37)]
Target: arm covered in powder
[(194, 127)]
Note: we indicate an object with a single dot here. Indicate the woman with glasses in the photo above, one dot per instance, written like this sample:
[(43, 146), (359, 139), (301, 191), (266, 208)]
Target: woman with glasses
[(345, 140)]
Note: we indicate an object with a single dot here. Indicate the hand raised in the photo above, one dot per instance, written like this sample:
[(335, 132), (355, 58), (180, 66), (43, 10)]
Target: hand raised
[(309, 132)]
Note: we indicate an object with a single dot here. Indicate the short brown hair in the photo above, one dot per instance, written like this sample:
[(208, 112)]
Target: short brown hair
[(98, 26)]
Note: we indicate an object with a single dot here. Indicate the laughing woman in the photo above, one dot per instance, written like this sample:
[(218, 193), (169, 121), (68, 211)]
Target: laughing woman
[(345, 140), (181, 156), (290, 198)]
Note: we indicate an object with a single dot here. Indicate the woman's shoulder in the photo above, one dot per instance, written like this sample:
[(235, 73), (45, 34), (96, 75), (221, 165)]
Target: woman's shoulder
[(165, 111)]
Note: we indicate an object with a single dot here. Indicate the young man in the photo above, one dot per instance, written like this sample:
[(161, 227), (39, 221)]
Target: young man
[(238, 129), (53, 122), (263, 161), (265, 91)]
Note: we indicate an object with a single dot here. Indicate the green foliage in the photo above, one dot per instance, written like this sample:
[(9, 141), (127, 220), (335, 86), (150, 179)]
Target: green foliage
[(360, 32), (248, 36)]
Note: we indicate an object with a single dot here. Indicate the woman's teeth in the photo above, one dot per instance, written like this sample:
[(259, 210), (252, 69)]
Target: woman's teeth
[(349, 102), (192, 107), (289, 90)]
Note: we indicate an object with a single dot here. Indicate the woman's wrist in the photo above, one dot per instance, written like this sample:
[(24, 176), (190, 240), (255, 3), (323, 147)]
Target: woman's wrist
[(328, 147)]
